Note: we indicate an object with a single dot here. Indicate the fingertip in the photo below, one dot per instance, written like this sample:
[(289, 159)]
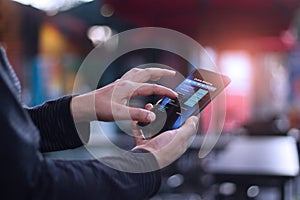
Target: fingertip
[(194, 120), (149, 106), (151, 116), (173, 72)]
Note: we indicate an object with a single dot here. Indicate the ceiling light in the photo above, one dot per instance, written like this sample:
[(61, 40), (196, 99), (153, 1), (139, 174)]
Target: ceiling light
[(107, 10), (99, 34), (52, 6)]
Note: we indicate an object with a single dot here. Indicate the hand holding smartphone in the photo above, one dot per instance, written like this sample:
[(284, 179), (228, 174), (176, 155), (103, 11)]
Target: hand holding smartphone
[(194, 93)]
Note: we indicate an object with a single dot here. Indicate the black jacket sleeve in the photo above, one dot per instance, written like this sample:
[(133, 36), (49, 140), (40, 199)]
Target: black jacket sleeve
[(26, 174), (56, 125), (91, 179)]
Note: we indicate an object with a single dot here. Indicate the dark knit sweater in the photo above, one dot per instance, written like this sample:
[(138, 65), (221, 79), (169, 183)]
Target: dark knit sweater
[(27, 132)]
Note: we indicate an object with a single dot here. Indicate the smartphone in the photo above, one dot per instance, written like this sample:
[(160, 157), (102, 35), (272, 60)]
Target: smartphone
[(195, 92)]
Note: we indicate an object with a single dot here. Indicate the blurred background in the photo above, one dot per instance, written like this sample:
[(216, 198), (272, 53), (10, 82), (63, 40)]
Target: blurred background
[(256, 43)]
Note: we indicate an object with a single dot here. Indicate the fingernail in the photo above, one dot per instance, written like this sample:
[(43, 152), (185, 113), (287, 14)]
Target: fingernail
[(195, 121), (151, 116)]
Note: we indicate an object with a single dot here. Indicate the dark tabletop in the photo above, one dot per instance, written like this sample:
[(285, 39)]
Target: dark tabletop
[(260, 155)]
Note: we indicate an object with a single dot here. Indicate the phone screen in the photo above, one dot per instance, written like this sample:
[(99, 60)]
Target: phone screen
[(190, 94), (194, 94)]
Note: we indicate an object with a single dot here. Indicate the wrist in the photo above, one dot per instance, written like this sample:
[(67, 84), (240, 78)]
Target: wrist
[(155, 156), (145, 148), (82, 108)]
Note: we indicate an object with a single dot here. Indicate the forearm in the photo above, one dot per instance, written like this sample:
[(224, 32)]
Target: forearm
[(56, 125), (83, 107)]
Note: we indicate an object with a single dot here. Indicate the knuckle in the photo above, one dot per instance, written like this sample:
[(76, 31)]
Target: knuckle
[(147, 70), (135, 70), (155, 87), (124, 83)]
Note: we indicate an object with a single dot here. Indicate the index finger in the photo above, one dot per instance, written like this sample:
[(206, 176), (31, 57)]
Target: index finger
[(146, 89), (144, 75)]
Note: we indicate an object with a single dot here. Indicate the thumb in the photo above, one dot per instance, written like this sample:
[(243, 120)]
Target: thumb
[(193, 120), (190, 127), (141, 115)]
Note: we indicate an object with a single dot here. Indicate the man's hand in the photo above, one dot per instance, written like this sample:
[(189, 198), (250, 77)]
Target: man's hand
[(110, 102), (169, 145)]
